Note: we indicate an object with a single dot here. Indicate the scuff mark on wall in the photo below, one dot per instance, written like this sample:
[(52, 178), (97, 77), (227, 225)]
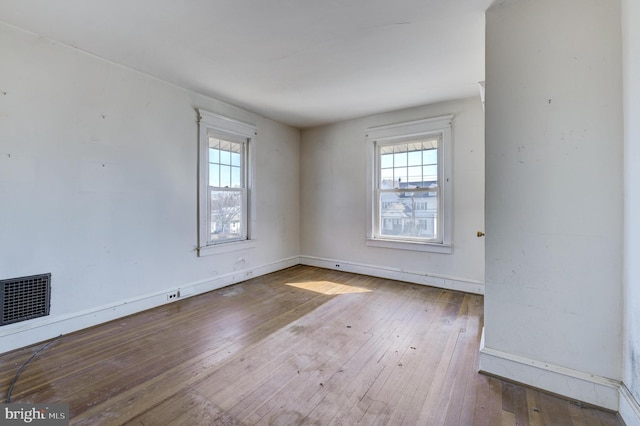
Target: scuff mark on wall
[(240, 264)]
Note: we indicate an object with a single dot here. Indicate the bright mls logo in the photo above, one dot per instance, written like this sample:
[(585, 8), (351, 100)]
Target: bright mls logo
[(35, 414)]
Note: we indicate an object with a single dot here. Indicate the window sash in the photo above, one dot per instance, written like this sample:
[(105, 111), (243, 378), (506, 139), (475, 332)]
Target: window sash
[(406, 228), (227, 218), (409, 208), (222, 225), (226, 161), (428, 143)]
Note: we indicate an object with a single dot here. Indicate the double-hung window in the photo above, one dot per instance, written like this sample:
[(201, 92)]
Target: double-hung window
[(409, 177), (224, 183)]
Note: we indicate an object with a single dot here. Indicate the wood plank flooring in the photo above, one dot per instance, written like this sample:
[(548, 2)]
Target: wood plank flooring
[(299, 346)]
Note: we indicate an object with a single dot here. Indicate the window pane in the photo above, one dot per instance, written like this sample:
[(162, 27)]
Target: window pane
[(225, 157), (225, 176), (386, 178), (214, 155), (408, 215), (400, 177), (214, 175), (236, 181), (431, 156), (235, 159), (415, 176), (415, 158), (400, 159), (226, 215), (430, 173), (386, 160)]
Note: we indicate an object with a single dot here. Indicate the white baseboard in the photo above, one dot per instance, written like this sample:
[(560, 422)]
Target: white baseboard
[(629, 407), (434, 280), (573, 384), (26, 333)]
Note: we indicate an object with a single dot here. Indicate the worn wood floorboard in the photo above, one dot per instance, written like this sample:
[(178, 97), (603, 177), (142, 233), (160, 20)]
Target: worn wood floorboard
[(301, 346)]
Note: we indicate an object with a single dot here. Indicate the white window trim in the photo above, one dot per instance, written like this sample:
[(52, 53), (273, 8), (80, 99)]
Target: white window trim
[(234, 128), (396, 132)]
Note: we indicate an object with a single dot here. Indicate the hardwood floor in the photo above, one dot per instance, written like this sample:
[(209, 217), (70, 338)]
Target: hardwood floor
[(299, 346)]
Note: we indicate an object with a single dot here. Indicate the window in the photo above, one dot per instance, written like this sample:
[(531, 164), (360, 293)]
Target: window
[(225, 185), (409, 180)]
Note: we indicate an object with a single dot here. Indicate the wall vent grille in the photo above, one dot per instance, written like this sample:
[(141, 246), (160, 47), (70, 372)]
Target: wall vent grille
[(24, 298)]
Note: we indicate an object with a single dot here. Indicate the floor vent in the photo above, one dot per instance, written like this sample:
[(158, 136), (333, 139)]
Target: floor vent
[(24, 298)]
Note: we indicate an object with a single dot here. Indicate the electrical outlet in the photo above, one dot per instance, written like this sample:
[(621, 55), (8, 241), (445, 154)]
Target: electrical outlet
[(173, 295)]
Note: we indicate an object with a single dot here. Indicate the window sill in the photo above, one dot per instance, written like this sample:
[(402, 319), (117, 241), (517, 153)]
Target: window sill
[(405, 245), (225, 247)]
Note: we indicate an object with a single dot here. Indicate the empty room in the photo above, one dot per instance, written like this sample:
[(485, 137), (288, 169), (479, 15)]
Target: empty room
[(419, 212)]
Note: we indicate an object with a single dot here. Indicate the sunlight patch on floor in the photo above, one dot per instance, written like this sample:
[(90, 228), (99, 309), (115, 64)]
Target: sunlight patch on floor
[(328, 287)]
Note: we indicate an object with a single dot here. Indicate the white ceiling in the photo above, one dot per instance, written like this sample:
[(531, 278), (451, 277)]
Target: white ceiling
[(301, 62)]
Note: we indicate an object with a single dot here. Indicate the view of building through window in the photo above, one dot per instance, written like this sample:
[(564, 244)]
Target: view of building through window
[(408, 189), (226, 189)]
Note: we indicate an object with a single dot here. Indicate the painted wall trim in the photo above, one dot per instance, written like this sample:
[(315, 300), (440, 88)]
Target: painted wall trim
[(434, 280), (574, 384), (629, 407), (18, 335)]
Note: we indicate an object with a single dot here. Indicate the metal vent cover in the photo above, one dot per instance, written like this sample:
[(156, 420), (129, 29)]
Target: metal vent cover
[(24, 298)]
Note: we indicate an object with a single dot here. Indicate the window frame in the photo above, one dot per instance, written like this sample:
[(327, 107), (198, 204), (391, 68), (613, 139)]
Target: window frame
[(232, 130), (440, 127)]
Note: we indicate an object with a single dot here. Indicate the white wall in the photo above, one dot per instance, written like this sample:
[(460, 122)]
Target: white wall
[(631, 52), (554, 196), (98, 175), (333, 212)]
